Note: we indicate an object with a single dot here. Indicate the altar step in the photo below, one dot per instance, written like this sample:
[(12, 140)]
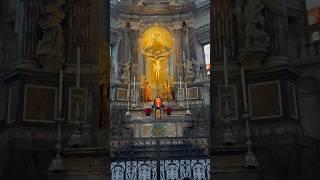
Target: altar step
[(232, 166), (177, 151), (230, 159)]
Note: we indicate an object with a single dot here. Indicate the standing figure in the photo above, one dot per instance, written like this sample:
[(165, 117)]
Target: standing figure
[(156, 68), (50, 50), (146, 91), (125, 77), (166, 91), (256, 38)]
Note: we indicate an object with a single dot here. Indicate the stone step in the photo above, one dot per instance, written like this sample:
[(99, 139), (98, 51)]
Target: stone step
[(168, 151), (221, 150)]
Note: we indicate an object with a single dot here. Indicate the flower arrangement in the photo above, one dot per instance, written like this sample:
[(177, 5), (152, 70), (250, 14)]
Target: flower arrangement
[(147, 111), (169, 110)]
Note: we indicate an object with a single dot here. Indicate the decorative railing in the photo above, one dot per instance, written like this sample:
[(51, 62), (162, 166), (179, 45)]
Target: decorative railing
[(167, 158), (196, 169)]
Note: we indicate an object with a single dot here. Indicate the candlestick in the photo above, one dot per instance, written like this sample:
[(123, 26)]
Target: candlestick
[(78, 68), (225, 66), (128, 92), (244, 90), (60, 92), (185, 85)]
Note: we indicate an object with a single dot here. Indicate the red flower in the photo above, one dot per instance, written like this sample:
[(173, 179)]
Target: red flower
[(147, 111), (169, 110)]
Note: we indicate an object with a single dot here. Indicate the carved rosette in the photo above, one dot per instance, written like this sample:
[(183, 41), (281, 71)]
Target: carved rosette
[(136, 25), (51, 50)]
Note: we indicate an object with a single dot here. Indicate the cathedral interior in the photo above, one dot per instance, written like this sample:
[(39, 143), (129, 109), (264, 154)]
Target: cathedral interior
[(159, 90)]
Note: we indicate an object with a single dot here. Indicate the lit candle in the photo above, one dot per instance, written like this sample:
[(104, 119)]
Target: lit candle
[(134, 82), (78, 68), (185, 84), (60, 92)]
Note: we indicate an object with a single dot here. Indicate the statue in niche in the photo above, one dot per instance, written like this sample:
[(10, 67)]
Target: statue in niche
[(256, 38), (177, 25), (196, 68), (173, 3), (277, 7), (189, 74), (140, 3), (5, 48), (166, 93), (125, 77), (179, 69), (50, 50), (146, 91)]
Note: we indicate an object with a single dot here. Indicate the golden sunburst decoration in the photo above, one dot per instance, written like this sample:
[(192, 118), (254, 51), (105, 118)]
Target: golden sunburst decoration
[(156, 35)]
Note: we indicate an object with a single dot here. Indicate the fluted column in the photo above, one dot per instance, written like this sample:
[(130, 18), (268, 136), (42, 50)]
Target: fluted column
[(224, 30), (135, 47), (127, 43), (277, 28), (178, 46), (186, 45), (27, 24)]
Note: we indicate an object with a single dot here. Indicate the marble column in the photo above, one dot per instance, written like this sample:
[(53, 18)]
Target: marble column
[(186, 42), (186, 47), (177, 49), (27, 27), (277, 29), (135, 47), (115, 60), (224, 30), (126, 44)]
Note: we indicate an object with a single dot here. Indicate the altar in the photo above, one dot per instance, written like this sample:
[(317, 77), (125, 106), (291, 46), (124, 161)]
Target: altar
[(148, 126)]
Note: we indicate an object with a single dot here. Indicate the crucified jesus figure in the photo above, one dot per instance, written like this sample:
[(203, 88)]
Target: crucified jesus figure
[(156, 68)]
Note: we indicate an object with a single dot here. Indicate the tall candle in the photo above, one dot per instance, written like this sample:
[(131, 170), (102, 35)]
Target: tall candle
[(78, 68), (60, 92), (225, 65), (134, 82), (128, 92), (180, 83), (185, 84), (244, 89)]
